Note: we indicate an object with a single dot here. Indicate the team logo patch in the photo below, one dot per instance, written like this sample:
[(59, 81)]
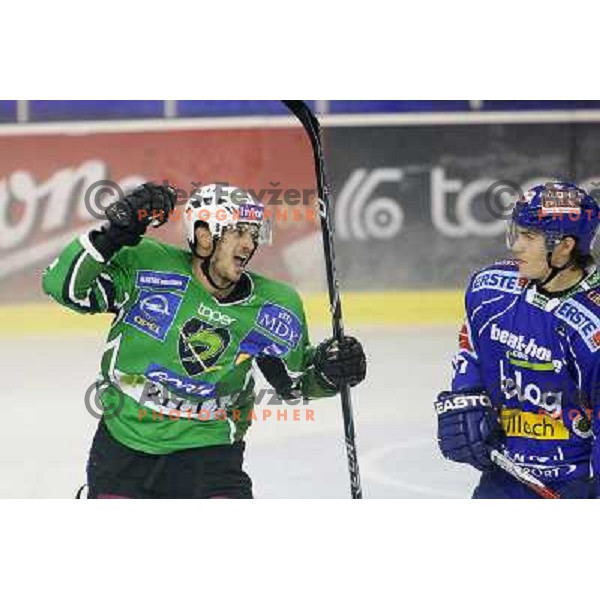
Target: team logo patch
[(255, 343), (582, 320), (201, 345), (215, 316), (180, 384), (503, 281), (251, 212), (594, 296), (153, 313), (280, 323), (582, 426), (517, 423), (517, 359), (162, 280), (561, 201), (524, 347)]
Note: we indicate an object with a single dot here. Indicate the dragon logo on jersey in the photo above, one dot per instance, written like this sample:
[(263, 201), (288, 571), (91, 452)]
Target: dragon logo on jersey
[(201, 345)]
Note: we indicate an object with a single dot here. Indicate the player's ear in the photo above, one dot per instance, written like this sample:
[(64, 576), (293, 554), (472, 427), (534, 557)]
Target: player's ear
[(569, 244), (566, 248), (204, 241)]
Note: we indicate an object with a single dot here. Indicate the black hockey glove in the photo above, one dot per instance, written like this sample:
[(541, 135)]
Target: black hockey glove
[(468, 428), (338, 364), (128, 219)]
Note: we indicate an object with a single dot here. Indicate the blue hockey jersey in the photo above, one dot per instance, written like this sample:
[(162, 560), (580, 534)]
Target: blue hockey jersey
[(538, 357)]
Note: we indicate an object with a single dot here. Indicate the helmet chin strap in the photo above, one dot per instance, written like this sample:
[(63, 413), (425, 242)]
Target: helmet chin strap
[(205, 267), (554, 271), (205, 262)]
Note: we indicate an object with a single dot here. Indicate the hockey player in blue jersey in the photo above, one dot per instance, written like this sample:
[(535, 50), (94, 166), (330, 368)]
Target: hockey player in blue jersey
[(526, 377)]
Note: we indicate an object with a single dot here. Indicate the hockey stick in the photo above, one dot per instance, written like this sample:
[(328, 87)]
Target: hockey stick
[(520, 474), (313, 129)]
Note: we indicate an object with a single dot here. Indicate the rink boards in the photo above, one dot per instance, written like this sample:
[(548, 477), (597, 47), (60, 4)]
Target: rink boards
[(359, 309)]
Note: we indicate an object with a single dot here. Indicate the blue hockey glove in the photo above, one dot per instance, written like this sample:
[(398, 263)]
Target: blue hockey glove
[(468, 427)]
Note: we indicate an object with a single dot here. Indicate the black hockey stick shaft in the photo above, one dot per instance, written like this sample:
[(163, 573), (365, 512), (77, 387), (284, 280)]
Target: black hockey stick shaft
[(312, 127)]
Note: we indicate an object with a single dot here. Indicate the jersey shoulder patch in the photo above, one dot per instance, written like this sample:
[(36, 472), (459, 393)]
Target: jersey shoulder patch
[(281, 314), (581, 313), (501, 276)]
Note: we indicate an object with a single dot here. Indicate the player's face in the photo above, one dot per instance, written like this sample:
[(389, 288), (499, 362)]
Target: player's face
[(233, 252), (529, 250)]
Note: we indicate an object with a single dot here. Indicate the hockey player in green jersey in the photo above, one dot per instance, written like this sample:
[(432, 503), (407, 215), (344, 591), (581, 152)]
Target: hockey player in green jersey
[(176, 379)]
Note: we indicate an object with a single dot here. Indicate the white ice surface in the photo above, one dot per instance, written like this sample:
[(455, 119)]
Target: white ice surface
[(45, 429)]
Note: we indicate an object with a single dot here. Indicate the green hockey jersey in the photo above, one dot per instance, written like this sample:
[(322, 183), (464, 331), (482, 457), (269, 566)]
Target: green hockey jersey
[(176, 372)]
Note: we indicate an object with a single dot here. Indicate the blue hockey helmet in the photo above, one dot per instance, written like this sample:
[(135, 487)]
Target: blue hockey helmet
[(559, 209)]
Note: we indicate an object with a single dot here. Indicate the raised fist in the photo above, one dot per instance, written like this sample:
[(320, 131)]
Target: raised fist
[(128, 219), (148, 204)]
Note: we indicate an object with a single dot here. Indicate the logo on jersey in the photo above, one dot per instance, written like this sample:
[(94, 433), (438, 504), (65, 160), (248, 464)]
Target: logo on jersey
[(256, 343), (280, 323), (547, 466), (582, 320), (503, 281), (594, 296), (516, 359), (214, 316), (153, 313), (179, 383), (464, 339), (155, 306), (513, 385), (251, 212), (201, 345), (582, 426), (523, 347), (517, 423), (162, 280)]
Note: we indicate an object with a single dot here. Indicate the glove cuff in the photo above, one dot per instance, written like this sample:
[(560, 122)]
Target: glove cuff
[(452, 401), (110, 239), (324, 381)]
